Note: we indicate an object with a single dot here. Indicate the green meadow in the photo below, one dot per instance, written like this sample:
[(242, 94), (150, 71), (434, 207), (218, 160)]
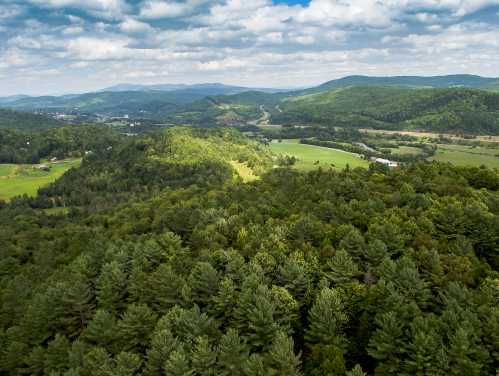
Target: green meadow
[(310, 157), (467, 155), (17, 180)]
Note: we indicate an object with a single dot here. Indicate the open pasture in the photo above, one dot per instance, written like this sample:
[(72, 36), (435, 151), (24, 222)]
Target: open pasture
[(310, 157), (17, 180)]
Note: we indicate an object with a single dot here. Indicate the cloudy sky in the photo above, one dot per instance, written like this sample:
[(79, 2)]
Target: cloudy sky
[(63, 46)]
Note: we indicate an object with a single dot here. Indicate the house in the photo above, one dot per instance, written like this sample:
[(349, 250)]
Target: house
[(43, 167), (385, 162), (53, 160)]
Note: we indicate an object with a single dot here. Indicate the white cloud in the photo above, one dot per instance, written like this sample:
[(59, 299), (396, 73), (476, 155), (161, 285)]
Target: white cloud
[(99, 8), (80, 65), (87, 48), (247, 41), (131, 25), (155, 9), (73, 30)]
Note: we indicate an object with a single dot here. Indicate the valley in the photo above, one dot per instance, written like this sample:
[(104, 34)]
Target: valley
[(255, 233), (20, 180)]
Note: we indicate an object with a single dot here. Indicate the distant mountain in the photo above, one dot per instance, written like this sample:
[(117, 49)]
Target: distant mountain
[(456, 110), (25, 120), (12, 98), (206, 89), (154, 101), (461, 80), (132, 103)]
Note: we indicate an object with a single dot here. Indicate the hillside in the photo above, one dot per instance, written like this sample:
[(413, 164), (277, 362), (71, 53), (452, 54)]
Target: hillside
[(175, 158), (25, 121), (28, 147), (463, 80), (157, 259), (205, 89), (436, 110), (135, 101), (132, 103)]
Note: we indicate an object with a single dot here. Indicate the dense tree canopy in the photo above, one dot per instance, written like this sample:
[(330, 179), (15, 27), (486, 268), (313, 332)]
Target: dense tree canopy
[(165, 263), (71, 141)]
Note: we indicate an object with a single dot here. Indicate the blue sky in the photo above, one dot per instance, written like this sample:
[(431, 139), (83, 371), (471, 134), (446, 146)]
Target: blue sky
[(63, 46)]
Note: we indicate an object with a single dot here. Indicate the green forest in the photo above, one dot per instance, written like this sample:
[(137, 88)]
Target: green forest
[(10, 119), (155, 257), (32, 146), (453, 110)]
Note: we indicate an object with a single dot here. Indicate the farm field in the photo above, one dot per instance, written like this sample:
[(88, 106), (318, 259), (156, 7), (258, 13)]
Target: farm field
[(406, 150), (310, 157), (429, 135), (467, 155), (16, 180)]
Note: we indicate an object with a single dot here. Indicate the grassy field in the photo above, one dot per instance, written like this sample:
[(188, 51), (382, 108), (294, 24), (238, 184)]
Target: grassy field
[(310, 157), (16, 180), (467, 155), (245, 172), (406, 150), (428, 135)]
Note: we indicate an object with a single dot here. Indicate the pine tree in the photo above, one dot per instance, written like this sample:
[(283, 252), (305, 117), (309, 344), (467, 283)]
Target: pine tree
[(388, 343), (135, 327), (57, 354), (78, 306), (376, 252), (294, 277), (178, 364), (127, 364), (341, 268), (261, 322), (112, 287), (327, 319), (203, 357), (463, 353), (282, 357), (101, 330), (224, 302), (425, 354), (232, 353), (164, 289), (255, 366), (203, 282), (356, 371), (353, 242), (97, 362), (162, 345)]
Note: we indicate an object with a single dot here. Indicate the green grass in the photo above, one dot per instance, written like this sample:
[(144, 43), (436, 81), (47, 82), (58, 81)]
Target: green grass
[(244, 171), (309, 155), (406, 150), (16, 180), (467, 155)]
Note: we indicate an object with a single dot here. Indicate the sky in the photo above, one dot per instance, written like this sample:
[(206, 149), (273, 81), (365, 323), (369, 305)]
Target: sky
[(72, 46)]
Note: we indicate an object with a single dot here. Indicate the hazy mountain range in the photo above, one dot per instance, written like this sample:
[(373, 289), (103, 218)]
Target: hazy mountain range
[(438, 103)]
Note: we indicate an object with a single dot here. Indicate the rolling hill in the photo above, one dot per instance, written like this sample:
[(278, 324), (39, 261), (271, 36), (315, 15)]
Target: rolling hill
[(25, 120), (438, 110), (206, 89), (459, 80), (457, 103)]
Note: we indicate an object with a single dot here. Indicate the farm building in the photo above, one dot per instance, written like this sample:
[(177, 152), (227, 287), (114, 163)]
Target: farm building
[(43, 167), (385, 162)]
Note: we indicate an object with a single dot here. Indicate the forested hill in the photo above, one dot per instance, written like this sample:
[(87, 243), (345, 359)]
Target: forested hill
[(164, 263), (458, 80), (174, 158), (437, 110), (26, 121), (27, 147)]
